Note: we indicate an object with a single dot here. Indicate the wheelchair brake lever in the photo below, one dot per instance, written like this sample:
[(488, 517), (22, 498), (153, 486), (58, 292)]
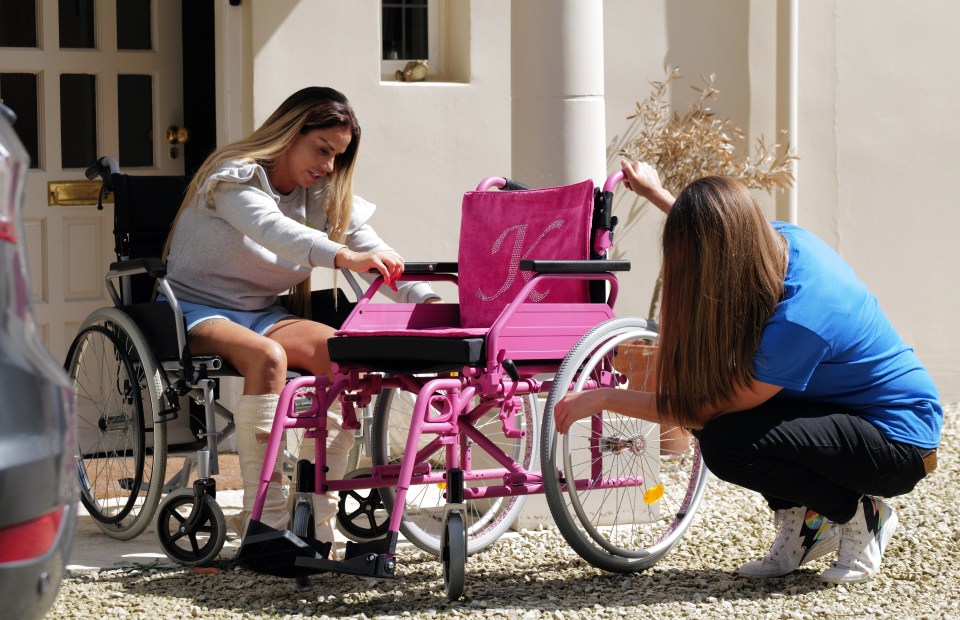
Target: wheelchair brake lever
[(511, 369), (172, 395)]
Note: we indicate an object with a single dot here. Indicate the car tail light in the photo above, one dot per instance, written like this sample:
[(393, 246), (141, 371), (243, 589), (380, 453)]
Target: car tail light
[(8, 223), (8, 220), (31, 539), (8, 232)]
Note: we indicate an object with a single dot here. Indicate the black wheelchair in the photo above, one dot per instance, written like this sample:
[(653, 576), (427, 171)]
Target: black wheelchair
[(143, 397)]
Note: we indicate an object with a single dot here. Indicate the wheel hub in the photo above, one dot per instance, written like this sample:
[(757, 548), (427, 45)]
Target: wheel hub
[(615, 445)]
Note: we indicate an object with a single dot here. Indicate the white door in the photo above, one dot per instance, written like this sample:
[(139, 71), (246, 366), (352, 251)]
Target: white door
[(87, 78)]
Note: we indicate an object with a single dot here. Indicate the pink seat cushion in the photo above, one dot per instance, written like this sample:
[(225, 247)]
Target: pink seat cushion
[(500, 228)]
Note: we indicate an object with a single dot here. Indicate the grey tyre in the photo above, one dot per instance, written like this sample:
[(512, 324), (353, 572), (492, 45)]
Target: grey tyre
[(121, 451), (621, 491)]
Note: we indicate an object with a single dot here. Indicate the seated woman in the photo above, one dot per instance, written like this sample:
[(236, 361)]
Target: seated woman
[(259, 215), (794, 381)]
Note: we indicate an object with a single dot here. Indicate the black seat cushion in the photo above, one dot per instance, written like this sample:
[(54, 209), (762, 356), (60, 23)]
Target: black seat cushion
[(407, 354)]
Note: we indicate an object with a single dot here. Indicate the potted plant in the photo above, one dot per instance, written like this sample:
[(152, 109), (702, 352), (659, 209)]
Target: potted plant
[(693, 144)]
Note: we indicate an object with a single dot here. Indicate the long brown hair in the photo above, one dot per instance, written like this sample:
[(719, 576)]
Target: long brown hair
[(723, 270), (306, 110)]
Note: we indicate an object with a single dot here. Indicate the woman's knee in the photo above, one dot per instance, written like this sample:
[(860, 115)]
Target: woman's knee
[(265, 366)]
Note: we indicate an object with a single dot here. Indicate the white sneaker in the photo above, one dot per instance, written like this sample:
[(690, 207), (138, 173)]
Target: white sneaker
[(862, 541), (803, 536)]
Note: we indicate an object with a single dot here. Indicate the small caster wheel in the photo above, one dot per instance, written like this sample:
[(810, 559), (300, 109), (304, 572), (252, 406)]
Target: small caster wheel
[(303, 527), (187, 541), (361, 515), (453, 556)]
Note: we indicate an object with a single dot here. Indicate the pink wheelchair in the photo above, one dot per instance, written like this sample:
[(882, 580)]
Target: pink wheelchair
[(457, 442)]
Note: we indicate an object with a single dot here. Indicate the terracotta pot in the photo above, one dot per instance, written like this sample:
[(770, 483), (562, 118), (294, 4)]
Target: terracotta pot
[(637, 362)]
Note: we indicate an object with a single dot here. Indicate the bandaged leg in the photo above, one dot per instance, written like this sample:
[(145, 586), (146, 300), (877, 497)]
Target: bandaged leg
[(254, 419), (339, 443)]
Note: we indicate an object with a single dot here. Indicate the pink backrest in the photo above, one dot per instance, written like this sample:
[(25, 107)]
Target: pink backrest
[(498, 229)]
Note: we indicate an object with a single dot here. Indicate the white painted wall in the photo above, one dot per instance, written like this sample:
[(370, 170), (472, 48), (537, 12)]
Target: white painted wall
[(876, 135)]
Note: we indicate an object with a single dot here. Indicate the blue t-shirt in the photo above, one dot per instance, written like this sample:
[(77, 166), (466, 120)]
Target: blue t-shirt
[(829, 341)]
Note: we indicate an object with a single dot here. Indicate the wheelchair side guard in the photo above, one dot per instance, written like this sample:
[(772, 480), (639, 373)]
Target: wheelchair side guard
[(284, 554)]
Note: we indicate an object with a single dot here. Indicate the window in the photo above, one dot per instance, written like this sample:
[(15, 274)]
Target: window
[(409, 30), (18, 28), (405, 30), (437, 31)]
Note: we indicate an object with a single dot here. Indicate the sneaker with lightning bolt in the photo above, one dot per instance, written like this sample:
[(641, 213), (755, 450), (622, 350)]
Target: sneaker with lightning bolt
[(862, 541), (803, 536)]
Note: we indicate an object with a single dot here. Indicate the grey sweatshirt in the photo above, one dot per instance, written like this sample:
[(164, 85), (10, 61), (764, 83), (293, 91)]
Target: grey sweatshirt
[(241, 243)]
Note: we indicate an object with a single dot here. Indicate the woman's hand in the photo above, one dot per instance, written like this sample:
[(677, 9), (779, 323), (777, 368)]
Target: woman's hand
[(576, 406), (641, 178), (631, 403), (387, 262)]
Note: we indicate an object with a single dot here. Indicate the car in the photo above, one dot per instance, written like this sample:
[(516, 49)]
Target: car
[(38, 471)]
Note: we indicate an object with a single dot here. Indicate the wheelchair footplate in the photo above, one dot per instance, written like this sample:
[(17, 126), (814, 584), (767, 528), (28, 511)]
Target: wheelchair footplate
[(284, 554)]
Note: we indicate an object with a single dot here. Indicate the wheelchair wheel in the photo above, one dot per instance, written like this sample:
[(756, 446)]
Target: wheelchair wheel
[(623, 491), (453, 556), (121, 453), (485, 520), (190, 545)]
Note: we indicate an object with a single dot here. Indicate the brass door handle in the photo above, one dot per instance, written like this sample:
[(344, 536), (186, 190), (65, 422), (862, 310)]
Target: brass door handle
[(177, 135)]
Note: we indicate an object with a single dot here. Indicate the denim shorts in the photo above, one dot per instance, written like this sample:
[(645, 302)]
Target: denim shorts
[(259, 321)]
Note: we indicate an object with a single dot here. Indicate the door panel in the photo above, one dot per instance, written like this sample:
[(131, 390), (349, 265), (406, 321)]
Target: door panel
[(80, 97)]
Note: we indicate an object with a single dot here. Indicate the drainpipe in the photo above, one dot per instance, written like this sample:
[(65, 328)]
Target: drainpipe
[(556, 68), (787, 96)]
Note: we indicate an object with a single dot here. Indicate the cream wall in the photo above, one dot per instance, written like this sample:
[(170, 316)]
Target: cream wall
[(877, 110), (875, 80), (876, 94), (424, 143)]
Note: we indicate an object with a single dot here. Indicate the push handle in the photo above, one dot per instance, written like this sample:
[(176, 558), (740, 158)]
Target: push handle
[(603, 220), (501, 183), (612, 181), (105, 167)]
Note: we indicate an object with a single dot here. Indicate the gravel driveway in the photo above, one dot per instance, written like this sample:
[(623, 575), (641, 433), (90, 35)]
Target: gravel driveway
[(535, 575)]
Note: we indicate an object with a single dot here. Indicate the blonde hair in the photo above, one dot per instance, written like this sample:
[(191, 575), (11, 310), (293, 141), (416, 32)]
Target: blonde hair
[(723, 270), (304, 111)]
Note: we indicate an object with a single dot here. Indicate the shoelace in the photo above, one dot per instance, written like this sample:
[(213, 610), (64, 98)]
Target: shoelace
[(780, 521), (855, 558)]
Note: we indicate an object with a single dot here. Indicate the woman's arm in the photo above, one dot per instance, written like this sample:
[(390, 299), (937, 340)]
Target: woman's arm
[(363, 239), (640, 177), (643, 405)]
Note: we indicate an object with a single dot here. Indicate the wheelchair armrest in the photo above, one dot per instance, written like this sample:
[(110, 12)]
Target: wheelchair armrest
[(151, 266), (414, 268), (448, 267), (574, 266)]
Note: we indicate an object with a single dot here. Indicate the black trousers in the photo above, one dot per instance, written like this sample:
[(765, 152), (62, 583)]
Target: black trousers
[(822, 457)]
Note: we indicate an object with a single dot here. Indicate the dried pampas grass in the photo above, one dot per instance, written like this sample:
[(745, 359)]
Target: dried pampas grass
[(697, 143)]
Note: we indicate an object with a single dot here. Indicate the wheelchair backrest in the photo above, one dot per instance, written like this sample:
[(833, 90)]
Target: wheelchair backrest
[(498, 229), (144, 208)]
